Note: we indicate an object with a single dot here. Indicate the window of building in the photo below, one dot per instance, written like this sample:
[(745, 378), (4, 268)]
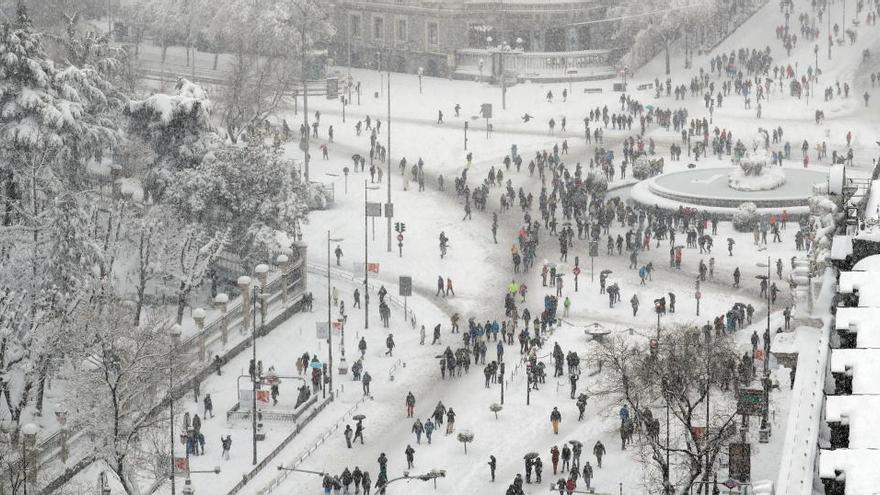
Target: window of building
[(378, 28), (433, 34), (355, 26), (401, 30)]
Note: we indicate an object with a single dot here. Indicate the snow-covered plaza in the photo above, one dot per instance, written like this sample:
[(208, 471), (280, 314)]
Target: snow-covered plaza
[(651, 274)]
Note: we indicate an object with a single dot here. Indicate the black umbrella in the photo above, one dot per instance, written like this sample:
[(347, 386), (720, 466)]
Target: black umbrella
[(358, 417), (531, 455), (576, 442), (606, 272)]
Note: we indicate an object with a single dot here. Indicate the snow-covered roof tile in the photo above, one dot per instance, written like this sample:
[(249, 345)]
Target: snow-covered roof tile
[(861, 321), (858, 465), (859, 412), (867, 283), (865, 368)]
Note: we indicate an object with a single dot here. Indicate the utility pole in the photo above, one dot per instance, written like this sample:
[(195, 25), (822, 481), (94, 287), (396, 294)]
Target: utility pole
[(255, 377), (388, 208), (304, 143)]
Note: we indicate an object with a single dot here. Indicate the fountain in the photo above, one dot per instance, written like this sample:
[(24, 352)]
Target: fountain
[(721, 190), (752, 170)]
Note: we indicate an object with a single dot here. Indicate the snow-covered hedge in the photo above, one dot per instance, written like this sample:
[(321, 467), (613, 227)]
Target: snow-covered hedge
[(746, 217)]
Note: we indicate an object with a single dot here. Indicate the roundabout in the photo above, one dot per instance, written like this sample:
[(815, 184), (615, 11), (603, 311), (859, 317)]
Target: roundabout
[(711, 189)]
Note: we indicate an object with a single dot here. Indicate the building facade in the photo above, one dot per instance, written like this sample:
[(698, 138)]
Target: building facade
[(407, 34)]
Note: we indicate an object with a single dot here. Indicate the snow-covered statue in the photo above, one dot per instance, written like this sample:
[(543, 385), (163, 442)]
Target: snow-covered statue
[(753, 171)]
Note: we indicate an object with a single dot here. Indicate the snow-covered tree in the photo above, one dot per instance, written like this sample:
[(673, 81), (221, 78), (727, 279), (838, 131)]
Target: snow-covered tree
[(187, 255), (249, 191), (686, 373), (178, 130), (115, 387), (54, 120)]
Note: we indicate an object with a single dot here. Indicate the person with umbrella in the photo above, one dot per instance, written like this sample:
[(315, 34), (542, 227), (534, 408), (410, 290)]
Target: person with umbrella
[(576, 448), (566, 457), (528, 459), (359, 427)]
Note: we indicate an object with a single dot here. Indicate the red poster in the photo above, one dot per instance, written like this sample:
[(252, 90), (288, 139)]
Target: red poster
[(263, 396), (181, 464), (373, 267)]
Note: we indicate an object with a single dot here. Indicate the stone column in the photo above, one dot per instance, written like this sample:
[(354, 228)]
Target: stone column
[(302, 250), (61, 416), (221, 302), (29, 432), (283, 260), (199, 317), (244, 284), (262, 271)]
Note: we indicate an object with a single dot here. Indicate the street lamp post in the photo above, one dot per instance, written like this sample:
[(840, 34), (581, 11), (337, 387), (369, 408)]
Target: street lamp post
[(175, 339), (421, 71), (816, 51), (388, 207), (765, 382), (366, 259), (329, 325)]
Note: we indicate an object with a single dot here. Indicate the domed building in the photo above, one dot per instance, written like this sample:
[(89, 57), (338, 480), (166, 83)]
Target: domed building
[(528, 39)]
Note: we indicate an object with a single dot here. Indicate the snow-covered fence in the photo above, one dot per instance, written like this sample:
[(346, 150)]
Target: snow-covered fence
[(298, 460), (339, 274), (277, 450), (210, 338)]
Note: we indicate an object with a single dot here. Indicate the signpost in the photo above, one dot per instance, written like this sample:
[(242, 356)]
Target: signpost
[(486, 111), (750, 402), (405, 284), (594, 251), (374, 210), (400, 228)]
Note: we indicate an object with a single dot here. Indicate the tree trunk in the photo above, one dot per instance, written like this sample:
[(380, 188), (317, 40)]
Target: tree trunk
[(666, 49), (41, 384), (181, 302)]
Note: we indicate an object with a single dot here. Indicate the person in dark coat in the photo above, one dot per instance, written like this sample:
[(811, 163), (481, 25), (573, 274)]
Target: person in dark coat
[(492, 466), (538, 467), (410, 456)]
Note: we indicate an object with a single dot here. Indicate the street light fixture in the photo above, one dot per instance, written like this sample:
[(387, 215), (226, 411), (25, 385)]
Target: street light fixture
[(430, 475)]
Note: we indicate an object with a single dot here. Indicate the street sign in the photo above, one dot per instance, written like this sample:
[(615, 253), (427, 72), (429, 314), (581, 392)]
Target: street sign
[(405, 283), (373, 267), (594, 248), (321, 328), (400, 237), (486, 110), (577, 270), (389, 210), (181, 465), (750, 402), (740, 461), (698, 295), (374, 209)]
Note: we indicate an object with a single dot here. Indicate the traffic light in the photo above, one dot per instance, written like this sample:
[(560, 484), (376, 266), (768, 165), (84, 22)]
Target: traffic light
[(402, 227)]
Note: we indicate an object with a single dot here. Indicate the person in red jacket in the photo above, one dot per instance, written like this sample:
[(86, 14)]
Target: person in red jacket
[(554, 457), (449, 286)]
